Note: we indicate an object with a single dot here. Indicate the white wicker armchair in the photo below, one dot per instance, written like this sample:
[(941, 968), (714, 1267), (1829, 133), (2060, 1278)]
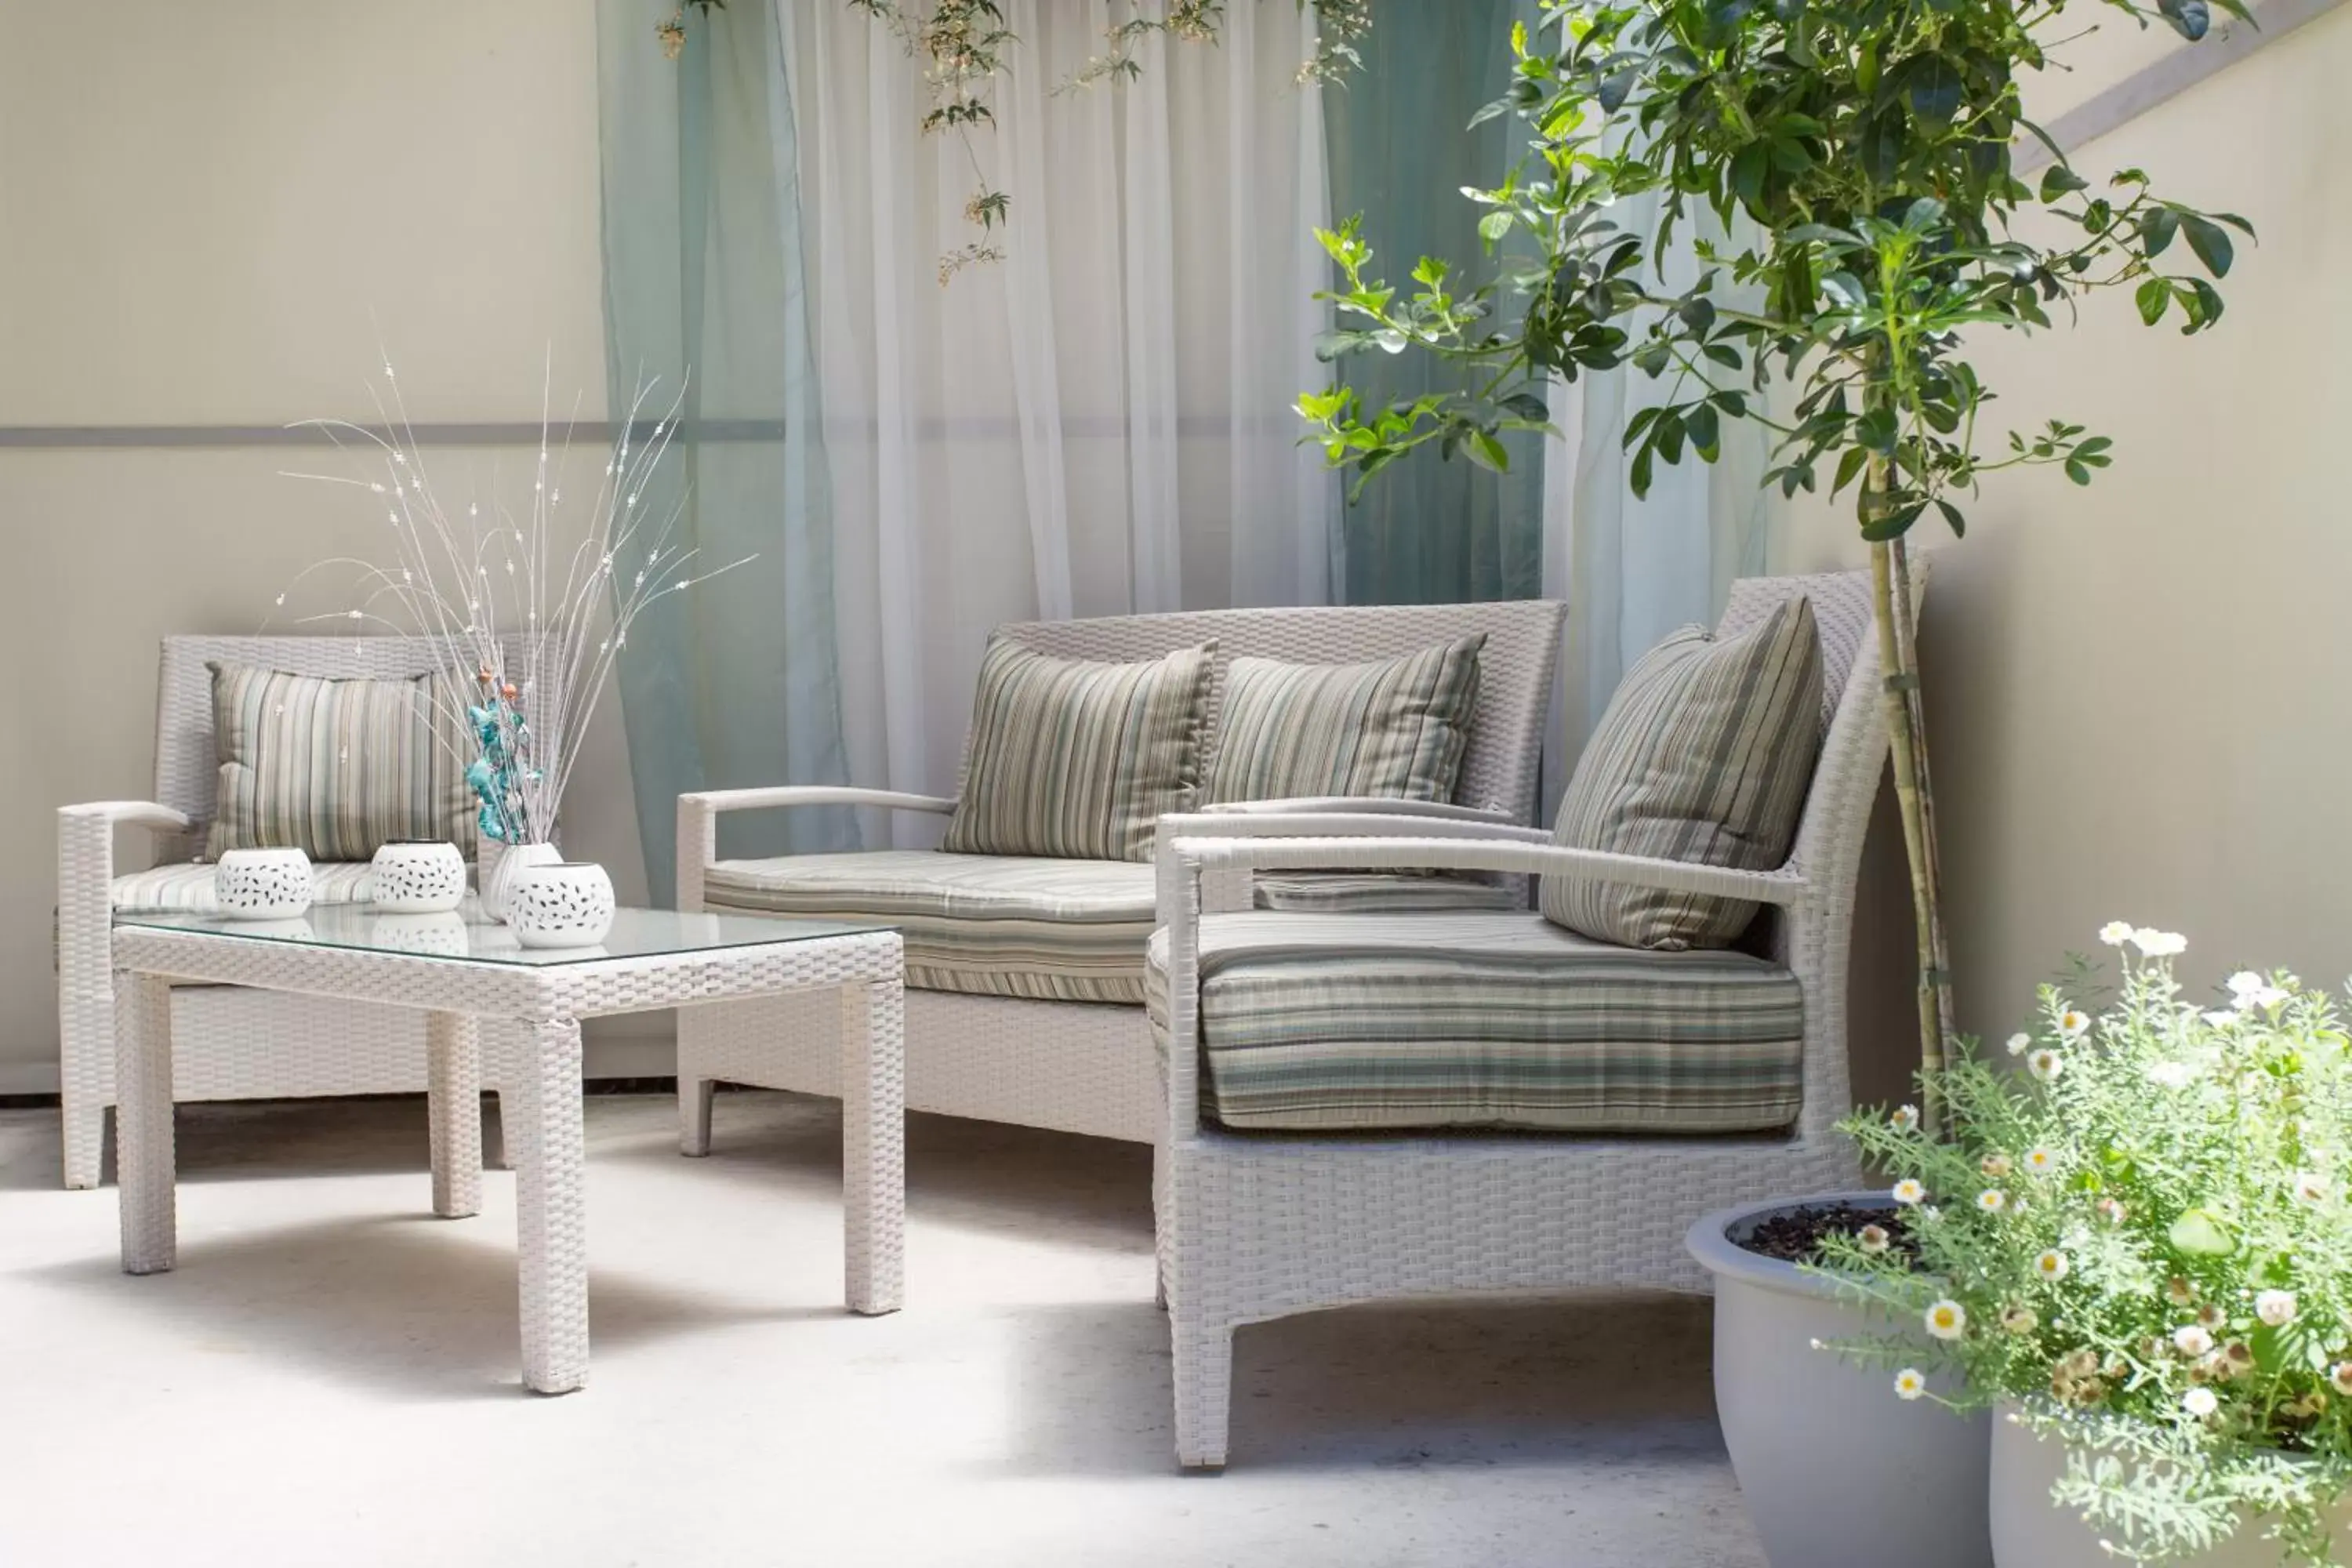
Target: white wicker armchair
[(229, 1043), (1083, 1066), (1260, 1225)]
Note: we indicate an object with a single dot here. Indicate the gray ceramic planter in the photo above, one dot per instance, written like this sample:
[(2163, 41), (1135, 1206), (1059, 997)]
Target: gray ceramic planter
[(1836, 1471)]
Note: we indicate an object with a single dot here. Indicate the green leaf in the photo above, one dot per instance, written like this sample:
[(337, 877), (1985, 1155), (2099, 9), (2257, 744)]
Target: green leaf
[(2077, 472), (1848, 467), (1702, 424), (2189, 18), (1882, 145), (2058, 180), (1526, 405), (1959, 525), (1616, 86), (2199, 1232), (1487, 452), (1894, 524), (2211, 243), (1697, 313), (1495, 224), (2152, 297), (2156, 231), (1934, 83)]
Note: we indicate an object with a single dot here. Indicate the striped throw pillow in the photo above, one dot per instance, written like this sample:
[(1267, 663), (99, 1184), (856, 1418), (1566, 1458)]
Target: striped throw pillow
[(1394, 729), (334, 768), (1705, 755), (1078, 759)]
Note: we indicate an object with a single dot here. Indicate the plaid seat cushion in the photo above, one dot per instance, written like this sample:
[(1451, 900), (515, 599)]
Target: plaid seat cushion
[(1394, 729), (1004, 925), (1078, 759), (189, 886), (1389, 1022), (1704, 755), (337, 768)]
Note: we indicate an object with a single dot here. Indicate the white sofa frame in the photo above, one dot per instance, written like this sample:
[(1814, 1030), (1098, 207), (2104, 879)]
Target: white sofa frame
[(1085, 1067), (228, 1043), (1255, 1226)]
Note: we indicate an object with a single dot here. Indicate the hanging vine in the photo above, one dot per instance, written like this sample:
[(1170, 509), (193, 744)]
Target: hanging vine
[(964, 46)]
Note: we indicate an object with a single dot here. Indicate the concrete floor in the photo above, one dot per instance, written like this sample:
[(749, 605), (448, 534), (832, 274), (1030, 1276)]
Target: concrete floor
[(329, 1377)]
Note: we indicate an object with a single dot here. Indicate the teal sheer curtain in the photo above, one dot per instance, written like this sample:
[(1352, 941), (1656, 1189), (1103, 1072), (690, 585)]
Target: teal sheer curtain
[(733, 682), (1431, 529)]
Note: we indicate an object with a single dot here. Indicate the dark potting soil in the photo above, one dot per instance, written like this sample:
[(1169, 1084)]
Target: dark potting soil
[(1794, 1236)]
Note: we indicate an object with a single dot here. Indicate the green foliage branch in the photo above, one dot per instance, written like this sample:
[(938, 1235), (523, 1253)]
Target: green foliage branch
[(1861, 154)]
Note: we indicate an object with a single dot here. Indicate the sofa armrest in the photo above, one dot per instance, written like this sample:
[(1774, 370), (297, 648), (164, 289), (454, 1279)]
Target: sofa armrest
[(699, 811), (1373, 806)]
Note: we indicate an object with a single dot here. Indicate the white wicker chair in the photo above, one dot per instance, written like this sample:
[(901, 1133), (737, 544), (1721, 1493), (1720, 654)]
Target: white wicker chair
[(1083, 1067), (228, 1043), (1254, 1226)]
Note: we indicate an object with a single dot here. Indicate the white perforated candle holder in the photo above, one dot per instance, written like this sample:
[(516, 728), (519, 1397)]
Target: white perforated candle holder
[(566, 904), (262, 884), (417, 877)]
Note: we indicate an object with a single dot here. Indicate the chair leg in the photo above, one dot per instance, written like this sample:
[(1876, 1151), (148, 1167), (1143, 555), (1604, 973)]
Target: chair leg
[(1204, 1389), (85, 1140), (693, 1097)]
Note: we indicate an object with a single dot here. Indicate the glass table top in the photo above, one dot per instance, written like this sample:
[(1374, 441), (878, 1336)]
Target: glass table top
[(467, 934)]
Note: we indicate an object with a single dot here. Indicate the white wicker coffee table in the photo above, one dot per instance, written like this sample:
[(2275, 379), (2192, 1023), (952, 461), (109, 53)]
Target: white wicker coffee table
[(480, 988)]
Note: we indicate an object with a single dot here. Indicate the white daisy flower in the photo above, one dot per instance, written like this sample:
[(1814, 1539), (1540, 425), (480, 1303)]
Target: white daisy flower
[(2018, 1042), (2275, 1307), (1904, 1118), (1947, 1319), (2341, 1374), (2041, 1161), (2311, 1187), (1873, 1238), (2191, 1339), (1910, 1382), (2045, 1064), (2073, 1022), (1992, 1200), (2052, 1264), (2219, 1019), (2199, 1403), (2249, 990), (1908, 1190), (2171, 1075), (2115, 934), (2159, 943)]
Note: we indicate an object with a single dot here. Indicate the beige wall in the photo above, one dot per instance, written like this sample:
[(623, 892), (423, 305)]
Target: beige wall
[(2136, 689), (210, 215)]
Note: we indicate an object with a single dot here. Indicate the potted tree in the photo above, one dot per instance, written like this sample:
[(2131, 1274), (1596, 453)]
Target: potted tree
[(1862, 156)]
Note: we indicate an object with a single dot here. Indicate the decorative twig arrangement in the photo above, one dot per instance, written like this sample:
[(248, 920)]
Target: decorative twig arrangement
[(526, 626)]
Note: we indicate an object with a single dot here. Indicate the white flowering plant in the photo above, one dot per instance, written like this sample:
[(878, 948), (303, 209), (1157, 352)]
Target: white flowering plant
[(2141, 1240)]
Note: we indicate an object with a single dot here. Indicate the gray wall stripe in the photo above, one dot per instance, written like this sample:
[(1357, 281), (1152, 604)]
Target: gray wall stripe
[(2126, 100)]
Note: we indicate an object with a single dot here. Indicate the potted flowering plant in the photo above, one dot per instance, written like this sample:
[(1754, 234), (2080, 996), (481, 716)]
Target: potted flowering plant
[(2136, 1249)]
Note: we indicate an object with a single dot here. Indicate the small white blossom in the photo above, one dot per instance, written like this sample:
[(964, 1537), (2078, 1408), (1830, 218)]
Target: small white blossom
[(1908, 1190), (2171, 1075), (2073, 1022), (2045, 1064), (2249, 990), (1873, 1238), (2018, 1042), (2115, 934), (2052, 1264), (2199, 1403), (2191, 1339), (1947, 1319), (2275, 1307), (2159, 943), (1992, 1200), (1910, 1384), (1904, 1118), (2041, 1161)]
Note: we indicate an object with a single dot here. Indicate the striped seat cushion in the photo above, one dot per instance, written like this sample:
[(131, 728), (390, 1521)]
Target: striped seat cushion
[(1502, 1020), (1704, 755), (1002, 925), (1078, 759), (189, 886), (336, 768), (1394, 729)]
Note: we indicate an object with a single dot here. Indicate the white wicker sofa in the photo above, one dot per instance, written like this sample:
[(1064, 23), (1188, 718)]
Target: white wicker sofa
[(1077, 1067), (229, 1043), (1255, 1225)]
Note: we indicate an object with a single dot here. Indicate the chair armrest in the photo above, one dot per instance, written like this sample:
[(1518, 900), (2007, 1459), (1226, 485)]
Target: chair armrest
[(699, 811), (1484, 853), (1375, 805), (85, 888), (126, 813)]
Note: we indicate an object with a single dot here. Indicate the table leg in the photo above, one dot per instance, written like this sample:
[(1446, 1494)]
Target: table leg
[(873, 1144), (541, 1115), (143, 1123), (452, 1102)]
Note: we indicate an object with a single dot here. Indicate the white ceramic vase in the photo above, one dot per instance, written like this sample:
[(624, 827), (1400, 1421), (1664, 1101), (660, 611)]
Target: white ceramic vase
[(567, 903), (2029, 1531), (1835, 1471), (500, 864), (417, 877), (262, 884)]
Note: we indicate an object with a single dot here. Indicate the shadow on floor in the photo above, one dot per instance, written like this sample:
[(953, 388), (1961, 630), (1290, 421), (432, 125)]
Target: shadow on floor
[(1593, 1379), (266, 1140), (411, 1307)]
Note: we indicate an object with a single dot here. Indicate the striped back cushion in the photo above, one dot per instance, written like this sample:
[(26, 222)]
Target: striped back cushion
[(334, 768), (1073, 758), (1704, 755), (1395, 729)]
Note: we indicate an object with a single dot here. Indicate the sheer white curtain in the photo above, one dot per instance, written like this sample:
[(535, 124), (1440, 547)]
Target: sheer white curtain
[(1100, 423)]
